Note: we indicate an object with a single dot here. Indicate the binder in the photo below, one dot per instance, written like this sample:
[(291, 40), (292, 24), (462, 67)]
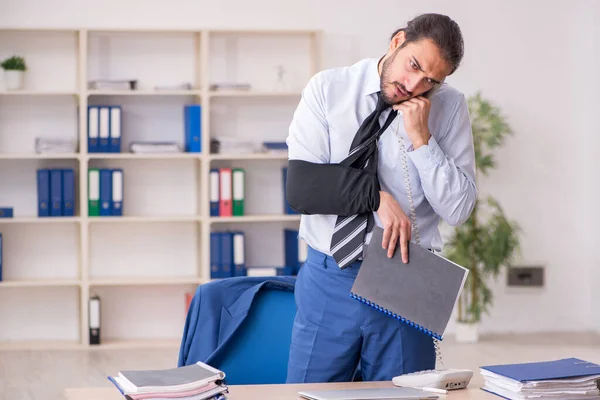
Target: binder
[(238, 191), (56, 190), (104, 130), (225, 206), (226, 270), (43, 192), (93, 128), (1, 257), (239, 254), (93, 192), (94, 320), (286, 206), (68, 195), (6, 212), (421, 293), (117, 192), (215, 255), (564, 368), (193, 128), (214, 192), (115, 129), (105, 192)]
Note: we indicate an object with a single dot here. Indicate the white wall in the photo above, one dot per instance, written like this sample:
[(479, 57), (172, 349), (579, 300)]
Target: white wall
[(534, 59)]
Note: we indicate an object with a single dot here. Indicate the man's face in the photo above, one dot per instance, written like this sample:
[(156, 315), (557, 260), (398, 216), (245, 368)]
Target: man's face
[(411, 70)]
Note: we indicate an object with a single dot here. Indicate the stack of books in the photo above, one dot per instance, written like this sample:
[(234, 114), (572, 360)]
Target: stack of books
[(569, 378), (193, 382)]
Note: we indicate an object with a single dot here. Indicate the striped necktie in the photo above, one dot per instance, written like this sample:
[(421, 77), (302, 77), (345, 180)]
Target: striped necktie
[(349, 232)]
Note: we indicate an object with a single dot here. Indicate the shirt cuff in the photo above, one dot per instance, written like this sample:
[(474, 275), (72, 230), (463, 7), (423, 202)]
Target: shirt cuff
[(427, 156)]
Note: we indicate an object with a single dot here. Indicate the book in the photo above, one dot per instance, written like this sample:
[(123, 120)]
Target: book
[(421, 293), (567, 378)]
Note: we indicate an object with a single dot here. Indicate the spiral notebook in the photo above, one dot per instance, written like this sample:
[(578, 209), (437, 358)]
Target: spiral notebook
[(421, 293)]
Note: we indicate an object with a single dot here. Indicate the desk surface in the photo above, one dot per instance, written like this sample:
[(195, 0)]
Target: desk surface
[(278, 392)]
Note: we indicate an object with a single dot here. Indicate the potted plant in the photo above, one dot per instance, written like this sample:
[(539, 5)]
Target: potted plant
[(487, 242), (14, 71)]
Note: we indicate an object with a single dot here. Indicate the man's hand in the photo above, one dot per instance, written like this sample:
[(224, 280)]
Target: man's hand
[(416, 116), (396, 225)]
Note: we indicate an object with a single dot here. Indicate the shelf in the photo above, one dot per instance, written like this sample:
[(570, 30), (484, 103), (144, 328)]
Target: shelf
[(38, 93), (40, 345), (36, 156), (139, 219), (256, 218), (40, 283), (144, 92), (250, 156), (144, 156), (250, 93), (146, 281), (136, 344), (40, 220)]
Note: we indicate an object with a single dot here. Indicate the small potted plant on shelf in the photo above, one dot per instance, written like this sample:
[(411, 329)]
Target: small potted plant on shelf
[(488, 241), (14, 71)]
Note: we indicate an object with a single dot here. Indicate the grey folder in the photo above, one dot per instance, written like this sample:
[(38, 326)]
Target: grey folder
[(195, 373), (421, 293), (367, 394)]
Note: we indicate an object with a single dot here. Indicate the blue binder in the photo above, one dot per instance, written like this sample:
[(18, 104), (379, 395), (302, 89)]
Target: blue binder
[(115, 129), (239, 254), (117, 192), (104, 129), (105, 192), (215, 255), (286, 206), (93, 128), (214, 192), (0, 257), (68, 195), (6, 212), (227, 267), (43, 192), (538, 371), (193, 128), (56, 191), (292, 254)]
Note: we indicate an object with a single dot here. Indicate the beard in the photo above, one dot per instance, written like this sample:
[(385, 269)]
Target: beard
[(388, 88)]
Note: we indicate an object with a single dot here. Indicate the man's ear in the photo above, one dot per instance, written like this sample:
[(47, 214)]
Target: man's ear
[(397, 40)]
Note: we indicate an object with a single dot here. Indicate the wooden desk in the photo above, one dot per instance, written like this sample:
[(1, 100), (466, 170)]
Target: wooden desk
[(279, 392)]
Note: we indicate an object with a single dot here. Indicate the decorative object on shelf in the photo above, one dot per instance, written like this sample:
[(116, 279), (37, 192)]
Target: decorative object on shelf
[(113, 84), (280, 85), (488, 241), (55, 146), (14, 72)]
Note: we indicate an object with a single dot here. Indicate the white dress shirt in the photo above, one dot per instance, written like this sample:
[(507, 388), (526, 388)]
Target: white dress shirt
[(442, 173)]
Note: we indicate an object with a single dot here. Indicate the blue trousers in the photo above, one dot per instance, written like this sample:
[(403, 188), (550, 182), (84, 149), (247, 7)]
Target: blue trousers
[(334, 333)]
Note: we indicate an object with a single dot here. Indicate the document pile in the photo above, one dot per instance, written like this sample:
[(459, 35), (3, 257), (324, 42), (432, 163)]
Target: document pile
[(192, 382), (569, 378)]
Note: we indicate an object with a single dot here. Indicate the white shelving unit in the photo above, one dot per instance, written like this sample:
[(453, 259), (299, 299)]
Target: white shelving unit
[(140, 264)]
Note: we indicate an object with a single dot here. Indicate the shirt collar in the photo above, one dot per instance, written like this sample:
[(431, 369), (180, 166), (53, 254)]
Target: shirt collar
[(372, 78)]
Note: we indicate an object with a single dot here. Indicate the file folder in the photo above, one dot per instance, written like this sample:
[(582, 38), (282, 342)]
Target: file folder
[(93, 192), (239, 254), (104, 134), (193, 128), (43, 192), (6, 212), (214, 192), (215, 255), (225, 205), (238, 191), (94, 319), (93, 129), (226, 255), (117, 192), (105, 192), (68, 195), (56, 189), (115, 129)]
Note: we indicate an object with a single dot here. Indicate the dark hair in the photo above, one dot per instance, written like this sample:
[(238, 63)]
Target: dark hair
[(440, 29)]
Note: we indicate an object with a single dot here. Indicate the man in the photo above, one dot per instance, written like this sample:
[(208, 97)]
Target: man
[(351, 136)]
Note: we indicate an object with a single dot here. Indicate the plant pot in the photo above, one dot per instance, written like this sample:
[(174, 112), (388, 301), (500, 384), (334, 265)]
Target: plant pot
[(467, 332), (13, 79)]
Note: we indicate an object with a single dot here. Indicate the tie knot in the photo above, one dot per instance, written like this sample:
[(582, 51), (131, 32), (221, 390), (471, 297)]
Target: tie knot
[(381, 104)]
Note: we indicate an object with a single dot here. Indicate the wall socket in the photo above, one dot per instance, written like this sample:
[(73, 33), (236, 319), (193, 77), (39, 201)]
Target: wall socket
[(526, 276)]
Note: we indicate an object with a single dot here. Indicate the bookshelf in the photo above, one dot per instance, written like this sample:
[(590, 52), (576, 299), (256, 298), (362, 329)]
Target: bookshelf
[(141, 264)]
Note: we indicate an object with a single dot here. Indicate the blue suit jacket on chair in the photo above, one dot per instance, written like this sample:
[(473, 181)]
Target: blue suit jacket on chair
[(217, 311)]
